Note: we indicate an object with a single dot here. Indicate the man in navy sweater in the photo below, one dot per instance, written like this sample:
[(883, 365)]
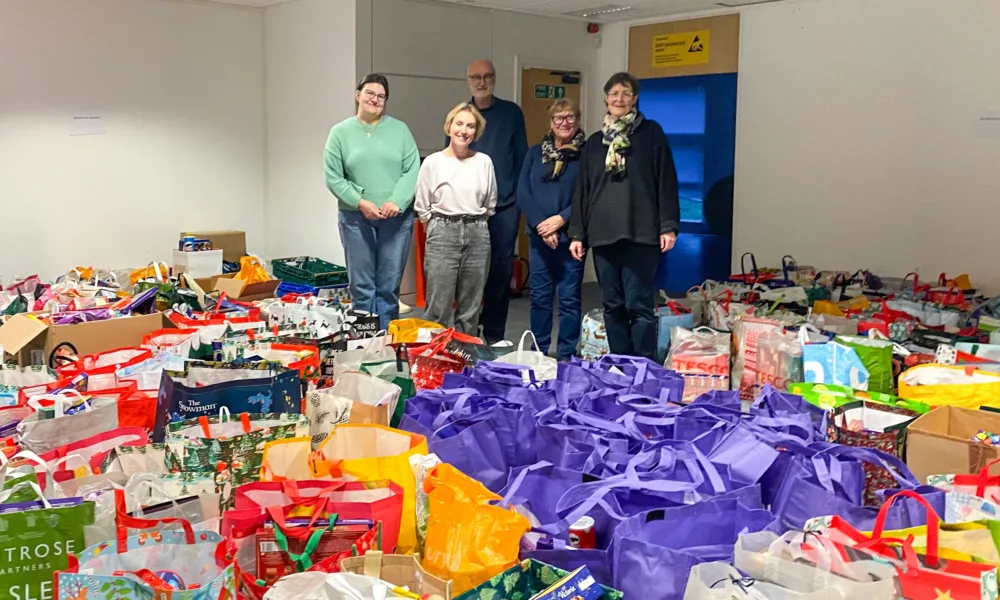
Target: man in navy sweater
[(505, 141)]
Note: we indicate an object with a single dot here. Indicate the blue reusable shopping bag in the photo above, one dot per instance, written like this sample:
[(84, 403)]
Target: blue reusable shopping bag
[(667, 317), (834, 363)]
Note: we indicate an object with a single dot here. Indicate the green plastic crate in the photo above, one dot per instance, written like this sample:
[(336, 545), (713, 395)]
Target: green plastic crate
[(307, 270)]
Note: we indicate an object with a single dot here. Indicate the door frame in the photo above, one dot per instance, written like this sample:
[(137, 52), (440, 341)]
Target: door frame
[(553, 64)]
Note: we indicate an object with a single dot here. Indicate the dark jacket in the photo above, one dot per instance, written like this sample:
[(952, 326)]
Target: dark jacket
[(638, 205), (539, 199)]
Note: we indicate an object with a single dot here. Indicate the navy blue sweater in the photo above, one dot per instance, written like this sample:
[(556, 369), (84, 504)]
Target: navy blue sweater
[(539, 199), (505, 141)]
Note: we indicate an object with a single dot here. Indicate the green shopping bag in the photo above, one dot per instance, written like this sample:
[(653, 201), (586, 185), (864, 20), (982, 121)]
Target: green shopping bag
[(876, 355), (828, 396), (397, 372), (524, 580), (36, 539)]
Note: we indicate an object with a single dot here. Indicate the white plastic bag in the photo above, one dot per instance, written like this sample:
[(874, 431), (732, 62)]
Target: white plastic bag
[(544, 367)]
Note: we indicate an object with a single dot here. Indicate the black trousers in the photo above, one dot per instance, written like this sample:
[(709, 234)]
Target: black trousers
[(626, 272)]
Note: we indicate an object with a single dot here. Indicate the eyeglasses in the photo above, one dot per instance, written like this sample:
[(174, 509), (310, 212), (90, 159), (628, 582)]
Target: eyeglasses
[(560, 119), (370, 94), (481, 78), (622, 95)]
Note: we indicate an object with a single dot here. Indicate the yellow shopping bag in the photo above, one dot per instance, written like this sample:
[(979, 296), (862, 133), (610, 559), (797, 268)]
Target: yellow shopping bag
[(468, 539), (375, 452), (825, 307), (251, 271), (943, 385), (405, 331), (287, 460)]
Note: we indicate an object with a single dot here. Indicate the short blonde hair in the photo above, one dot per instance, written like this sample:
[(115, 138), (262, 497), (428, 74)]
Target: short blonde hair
[(471, 109), (563, 105)]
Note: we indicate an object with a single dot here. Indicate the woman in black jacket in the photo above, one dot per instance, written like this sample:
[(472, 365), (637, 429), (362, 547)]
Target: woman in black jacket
[(625, 208)]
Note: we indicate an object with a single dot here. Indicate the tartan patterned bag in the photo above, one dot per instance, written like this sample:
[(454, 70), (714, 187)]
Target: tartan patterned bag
[(874, 425)]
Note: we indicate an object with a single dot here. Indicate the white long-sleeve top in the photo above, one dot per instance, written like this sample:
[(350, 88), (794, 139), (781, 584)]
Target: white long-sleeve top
[(456, 187)]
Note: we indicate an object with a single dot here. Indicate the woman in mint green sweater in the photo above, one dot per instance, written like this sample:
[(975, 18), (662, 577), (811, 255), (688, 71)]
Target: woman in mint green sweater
[(371, 165)]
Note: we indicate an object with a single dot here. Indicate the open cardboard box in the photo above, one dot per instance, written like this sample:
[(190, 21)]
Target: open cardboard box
[(30, 341), (232, 243), (237, 289), (939, 442)]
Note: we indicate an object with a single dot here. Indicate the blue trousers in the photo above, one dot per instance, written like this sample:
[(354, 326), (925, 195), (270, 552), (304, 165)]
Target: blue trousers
[(496, 298), (555, 272), (376, 256), (626, 272)]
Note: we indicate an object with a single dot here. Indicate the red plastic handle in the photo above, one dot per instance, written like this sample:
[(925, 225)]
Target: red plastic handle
[(933, 520)]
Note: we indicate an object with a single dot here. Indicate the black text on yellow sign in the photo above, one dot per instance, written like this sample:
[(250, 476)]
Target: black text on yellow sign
[(681, 49)]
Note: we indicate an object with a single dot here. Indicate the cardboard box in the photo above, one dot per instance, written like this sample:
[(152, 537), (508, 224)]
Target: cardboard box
[(31, 341), (236, 289), (232, 243), (206, 263), (939, 443)]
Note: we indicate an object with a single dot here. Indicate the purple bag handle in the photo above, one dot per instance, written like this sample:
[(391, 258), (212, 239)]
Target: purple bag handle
[(699, 465), (460, 409), (890, 463), (578, 508)]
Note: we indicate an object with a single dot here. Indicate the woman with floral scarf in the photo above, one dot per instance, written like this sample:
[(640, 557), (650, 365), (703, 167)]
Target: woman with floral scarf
[(625, 208), (544, 195)]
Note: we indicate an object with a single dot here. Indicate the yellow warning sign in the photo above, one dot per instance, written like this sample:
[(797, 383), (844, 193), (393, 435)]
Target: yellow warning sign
[(681, 49)]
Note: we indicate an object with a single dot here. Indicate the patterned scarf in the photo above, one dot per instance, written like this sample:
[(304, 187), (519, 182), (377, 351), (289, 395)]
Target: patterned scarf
[(616, 138), (560, 156)]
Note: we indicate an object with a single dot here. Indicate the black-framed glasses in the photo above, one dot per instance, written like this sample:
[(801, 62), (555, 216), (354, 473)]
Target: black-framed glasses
[(489, 77), (371, 94), (560, 119)]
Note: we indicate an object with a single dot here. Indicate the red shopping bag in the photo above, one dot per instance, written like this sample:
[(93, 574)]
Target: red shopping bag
[(754, 276), (100, 368), (429, 363), (920, 577), (378, 501), (203, 319)]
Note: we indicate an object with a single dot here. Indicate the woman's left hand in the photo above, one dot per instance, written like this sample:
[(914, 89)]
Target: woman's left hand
[(552, 241), (667, 241), (550, 226), (389, 210)]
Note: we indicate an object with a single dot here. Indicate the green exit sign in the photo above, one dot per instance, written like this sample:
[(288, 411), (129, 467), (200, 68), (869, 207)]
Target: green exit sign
[(546, 92)]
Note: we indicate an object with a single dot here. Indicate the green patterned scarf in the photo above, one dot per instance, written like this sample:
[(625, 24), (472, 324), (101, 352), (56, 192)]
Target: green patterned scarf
[(616, 138)]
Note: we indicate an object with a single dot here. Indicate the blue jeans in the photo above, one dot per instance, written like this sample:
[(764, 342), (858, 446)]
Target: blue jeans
[(376, 256), (496, 299), (626, 272), (552, 271)]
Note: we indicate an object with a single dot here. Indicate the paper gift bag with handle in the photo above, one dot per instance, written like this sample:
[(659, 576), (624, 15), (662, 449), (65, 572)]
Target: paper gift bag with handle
[(372, 453), (940, 385), (354, 398)]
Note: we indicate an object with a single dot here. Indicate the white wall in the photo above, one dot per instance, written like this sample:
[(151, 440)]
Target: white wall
[(424, 49), (178, 87), (860, 143), (309, 65)]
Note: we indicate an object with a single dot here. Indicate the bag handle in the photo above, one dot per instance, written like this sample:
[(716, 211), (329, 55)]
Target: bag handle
[(59, 402), (788, 263), (933, 520), (304, 560), (753, 267), (224, 416), (317, 504), (982, 480), (124, 522)]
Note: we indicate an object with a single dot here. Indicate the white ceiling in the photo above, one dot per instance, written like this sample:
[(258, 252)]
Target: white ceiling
[(608, 11)]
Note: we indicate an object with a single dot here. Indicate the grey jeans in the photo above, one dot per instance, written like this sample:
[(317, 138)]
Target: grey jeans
[(456, 262)]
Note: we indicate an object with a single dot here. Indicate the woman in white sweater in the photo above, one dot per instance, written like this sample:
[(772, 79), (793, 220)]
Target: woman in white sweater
[(456, 195)]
